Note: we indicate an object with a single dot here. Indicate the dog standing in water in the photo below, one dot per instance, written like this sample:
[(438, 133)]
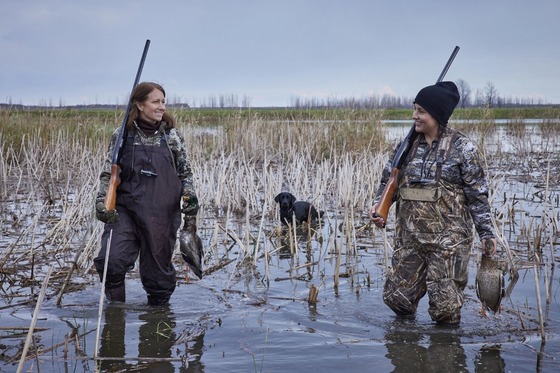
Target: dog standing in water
[(291, 209)]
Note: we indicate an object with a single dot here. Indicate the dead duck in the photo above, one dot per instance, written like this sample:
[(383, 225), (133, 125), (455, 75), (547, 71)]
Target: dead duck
[(190, 245), (489, 282)]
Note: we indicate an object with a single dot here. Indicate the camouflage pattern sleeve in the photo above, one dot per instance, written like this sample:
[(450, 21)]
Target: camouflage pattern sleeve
[(184, 171), (105, 174), (475, 187)]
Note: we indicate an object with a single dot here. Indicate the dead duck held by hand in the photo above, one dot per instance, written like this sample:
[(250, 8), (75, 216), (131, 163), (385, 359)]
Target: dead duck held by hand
[(190, 245), (489, 282)]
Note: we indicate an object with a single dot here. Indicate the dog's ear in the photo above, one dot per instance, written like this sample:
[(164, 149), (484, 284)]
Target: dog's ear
[(292, 198), (277, 198)]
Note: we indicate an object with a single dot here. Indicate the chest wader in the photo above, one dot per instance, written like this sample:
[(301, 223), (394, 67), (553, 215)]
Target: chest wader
[(148, 203), (433, 238)]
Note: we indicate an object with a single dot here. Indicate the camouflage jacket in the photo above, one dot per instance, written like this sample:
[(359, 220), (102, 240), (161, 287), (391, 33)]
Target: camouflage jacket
[(462, 187), (176, 146)]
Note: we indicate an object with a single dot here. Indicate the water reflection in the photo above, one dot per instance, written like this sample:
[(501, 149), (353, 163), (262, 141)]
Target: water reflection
[(303, 237), (489, 359), (439, 349), (413, 351), (157, 339), (194, 351), (157, 336), (113, 339)]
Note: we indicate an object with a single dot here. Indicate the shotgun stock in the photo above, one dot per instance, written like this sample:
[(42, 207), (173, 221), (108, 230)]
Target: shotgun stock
[(386, 199), (115, 180)]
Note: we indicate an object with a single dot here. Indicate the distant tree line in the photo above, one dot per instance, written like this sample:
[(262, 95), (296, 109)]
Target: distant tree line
[(486, 97), (223, 101)]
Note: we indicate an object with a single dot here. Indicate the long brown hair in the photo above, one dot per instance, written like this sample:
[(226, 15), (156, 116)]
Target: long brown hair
[(140, 94)]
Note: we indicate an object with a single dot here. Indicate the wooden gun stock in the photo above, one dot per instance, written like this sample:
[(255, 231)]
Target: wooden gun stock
[(114, 182), (386, 199)]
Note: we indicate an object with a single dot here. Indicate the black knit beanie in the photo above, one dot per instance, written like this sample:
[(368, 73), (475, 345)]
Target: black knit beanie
[(439, 100)]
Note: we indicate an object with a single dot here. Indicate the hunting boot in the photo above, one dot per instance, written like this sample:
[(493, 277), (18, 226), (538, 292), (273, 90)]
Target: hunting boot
[(158, 300), (116, 294)]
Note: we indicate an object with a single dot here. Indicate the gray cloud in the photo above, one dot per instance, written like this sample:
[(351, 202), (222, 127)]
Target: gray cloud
[(87, 52)]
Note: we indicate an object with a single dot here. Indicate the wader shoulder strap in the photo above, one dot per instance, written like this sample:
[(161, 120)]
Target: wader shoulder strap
[(411, 154), (446, 143), (165, 131)]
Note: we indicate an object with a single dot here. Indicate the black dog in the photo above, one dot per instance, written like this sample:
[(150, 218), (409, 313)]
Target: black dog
[(300, 210)]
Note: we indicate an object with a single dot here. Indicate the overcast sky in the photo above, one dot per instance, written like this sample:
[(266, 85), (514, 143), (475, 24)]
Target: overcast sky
[(87, 52)]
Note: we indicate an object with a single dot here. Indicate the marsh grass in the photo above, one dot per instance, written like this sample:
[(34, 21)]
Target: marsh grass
[(50, 162)]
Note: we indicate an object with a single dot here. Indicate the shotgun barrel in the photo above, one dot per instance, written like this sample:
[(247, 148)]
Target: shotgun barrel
[(115, 180), (386, 199)]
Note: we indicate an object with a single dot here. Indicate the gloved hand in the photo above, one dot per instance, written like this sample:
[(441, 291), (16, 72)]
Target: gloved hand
[(190, 204), (106, 216)]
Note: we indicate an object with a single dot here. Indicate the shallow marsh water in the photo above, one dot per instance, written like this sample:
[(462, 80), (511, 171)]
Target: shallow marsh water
[(231, 321), (252, 315)]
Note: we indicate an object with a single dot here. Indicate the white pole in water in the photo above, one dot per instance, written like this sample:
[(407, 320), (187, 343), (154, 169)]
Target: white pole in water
[(101, 297), (34, 320)]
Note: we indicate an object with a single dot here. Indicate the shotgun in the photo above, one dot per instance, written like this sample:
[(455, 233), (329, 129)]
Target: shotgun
[(386, 199), (115, 180)]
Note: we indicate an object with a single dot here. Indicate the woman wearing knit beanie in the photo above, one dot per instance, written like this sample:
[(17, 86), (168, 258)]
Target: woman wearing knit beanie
[(442, 192)]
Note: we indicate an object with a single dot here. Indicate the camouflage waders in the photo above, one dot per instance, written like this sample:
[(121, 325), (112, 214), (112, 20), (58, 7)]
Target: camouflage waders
[(433, 236)]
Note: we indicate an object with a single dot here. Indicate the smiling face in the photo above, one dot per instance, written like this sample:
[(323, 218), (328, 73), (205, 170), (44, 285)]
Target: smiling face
[(425, 123), (153, 107)]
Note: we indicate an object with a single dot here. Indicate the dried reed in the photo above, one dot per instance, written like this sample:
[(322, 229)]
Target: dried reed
[(50, 162), (34, 319)]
